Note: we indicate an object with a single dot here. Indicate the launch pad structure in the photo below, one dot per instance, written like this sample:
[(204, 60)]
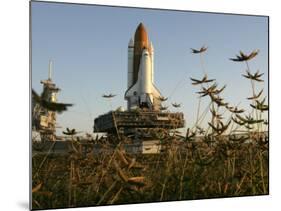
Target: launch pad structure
[(144, 101), (44, 120), (127, 122)]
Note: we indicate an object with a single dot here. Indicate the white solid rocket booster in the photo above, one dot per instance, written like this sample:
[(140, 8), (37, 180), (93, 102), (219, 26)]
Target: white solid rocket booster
[(130, 62), (152, 62)]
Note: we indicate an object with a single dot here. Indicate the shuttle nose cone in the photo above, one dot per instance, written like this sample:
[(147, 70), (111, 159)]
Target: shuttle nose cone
[(145, 52)]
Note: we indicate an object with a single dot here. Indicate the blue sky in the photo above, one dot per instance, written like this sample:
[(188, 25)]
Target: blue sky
[(88, 45)]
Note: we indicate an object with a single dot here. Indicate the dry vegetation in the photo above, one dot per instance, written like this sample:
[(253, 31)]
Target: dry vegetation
[(219, 164), (189, 170)]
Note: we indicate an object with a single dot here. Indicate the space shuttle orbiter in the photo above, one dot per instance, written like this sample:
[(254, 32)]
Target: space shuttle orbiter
[(141, 91)]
